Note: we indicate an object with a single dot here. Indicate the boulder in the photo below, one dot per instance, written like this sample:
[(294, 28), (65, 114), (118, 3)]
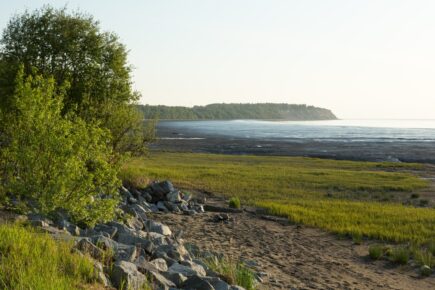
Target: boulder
[(109, 230), (126, 275), (188, 271), (160, 264), (197, 283), (125, 252), (173, 196), (176, 278), (157, 227), (161, 206), (152, 271), (217, 283), (135, 223)]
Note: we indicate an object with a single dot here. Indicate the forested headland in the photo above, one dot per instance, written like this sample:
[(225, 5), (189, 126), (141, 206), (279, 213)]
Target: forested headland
[(266, 111)]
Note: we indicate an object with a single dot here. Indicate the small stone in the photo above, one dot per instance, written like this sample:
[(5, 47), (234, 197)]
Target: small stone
[(161, 206), (425, 270), (173, 196)]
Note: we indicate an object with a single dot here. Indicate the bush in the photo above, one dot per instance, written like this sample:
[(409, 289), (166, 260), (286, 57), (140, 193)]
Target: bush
[(30, 260), (400, 255), (376, 252), (52, 161), (234, 202)]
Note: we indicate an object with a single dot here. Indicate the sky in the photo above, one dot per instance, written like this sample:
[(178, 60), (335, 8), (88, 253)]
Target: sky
[(361, 59)]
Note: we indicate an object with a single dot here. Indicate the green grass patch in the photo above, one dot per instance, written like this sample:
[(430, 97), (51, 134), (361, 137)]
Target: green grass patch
[(329, 194), (31, 260), (234, 202), (232, 272)]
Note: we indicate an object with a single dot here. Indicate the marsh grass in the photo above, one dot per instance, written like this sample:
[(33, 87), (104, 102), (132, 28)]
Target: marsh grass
[(376, 251), (400, 255), (297, 188), (31, 260), (232, 272)]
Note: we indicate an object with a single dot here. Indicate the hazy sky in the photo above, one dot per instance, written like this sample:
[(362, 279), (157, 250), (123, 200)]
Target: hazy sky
[(359, 58)]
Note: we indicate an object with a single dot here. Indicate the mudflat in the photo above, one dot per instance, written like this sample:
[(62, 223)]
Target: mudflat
[(293, 256)]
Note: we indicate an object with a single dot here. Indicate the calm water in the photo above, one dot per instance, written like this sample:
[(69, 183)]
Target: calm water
[(332, 131)]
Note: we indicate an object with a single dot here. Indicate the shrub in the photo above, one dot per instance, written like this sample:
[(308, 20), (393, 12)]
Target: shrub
[(232, 272), (357, 238), (55, 161), (31, 260), (400, 255), (415, 195), (376, 252), (234, 202)]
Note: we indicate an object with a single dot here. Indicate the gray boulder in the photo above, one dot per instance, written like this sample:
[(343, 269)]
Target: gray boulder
[(86, 246), (197, 283), (125, 274), (157, 227), (188, 271), (151, 270), (161, 206), (217, 283), (177, 278)]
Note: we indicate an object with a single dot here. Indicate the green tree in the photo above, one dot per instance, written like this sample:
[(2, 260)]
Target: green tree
[(53, 161), (71, 48)]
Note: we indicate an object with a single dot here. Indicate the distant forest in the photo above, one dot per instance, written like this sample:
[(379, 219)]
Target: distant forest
[(267, 111)]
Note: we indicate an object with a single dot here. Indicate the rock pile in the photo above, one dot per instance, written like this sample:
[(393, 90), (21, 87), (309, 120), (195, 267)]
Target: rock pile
[(128, 254), (161, 196)]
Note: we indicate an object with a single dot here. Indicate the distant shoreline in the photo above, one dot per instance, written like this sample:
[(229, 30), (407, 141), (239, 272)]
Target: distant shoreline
[(183, 140)]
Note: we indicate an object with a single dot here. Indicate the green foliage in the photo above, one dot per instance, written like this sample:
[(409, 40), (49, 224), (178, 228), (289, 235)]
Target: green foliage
[(70, 47), (238, 111), (58, 161), (376, 251), (234, 202), (232, 272), (400, 255), (424, 257), (31, 260), (296, 188)]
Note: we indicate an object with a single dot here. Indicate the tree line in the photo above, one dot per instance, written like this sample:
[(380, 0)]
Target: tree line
[(266, 111)]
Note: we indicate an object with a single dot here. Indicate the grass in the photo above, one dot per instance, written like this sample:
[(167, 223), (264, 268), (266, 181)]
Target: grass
[(400, 255), (376, 251), (344, 197), (31, 260), (232, 272), (234, 202)]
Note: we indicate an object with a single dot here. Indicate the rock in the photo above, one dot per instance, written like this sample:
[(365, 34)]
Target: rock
[(223, 217), (177, 278), (125, 192), (21, 219), (190, 212), (135, 223), (147, 196), (110, 230), (132, 200), (159, 190), (161, 206), (125, 253), (140, 211), (86, 246), (160, 264), (217, 283), (188, 271), (174, 251), (157, 227), (74, 230), (151, 270), (173, 196), (171, 206), (120, 228), (126, 275), (235, 287), (197, 283), (39, 223), (425, 271)]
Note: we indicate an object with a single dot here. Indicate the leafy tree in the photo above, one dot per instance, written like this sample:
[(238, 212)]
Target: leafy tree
[(72, 48), (54, 161)]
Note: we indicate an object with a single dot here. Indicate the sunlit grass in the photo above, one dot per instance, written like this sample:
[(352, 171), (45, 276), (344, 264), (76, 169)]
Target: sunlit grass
[(31, 260), (334, 195)]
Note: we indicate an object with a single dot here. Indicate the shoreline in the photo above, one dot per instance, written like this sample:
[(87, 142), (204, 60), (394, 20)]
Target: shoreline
[(182, 140)]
